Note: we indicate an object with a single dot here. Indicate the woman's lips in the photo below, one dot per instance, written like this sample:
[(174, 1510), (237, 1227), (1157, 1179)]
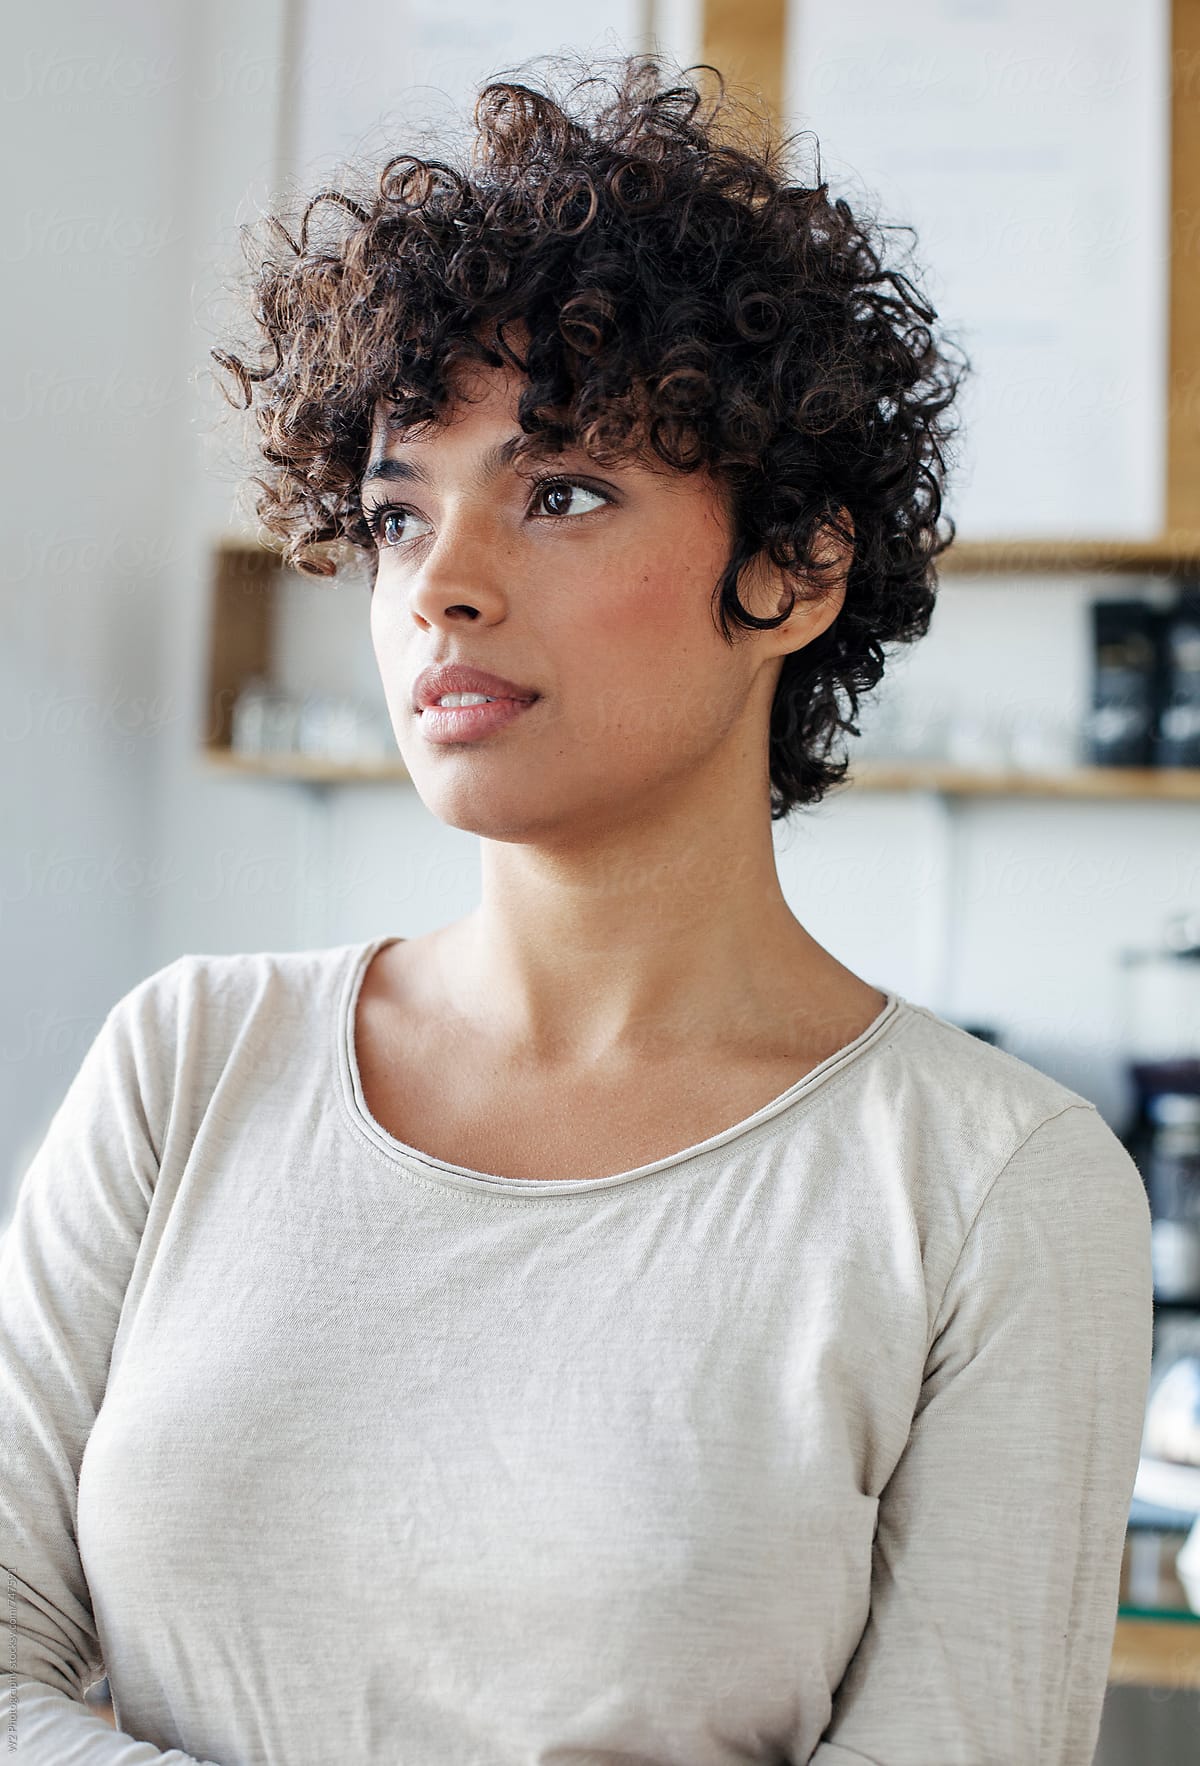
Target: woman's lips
[(470, 723)]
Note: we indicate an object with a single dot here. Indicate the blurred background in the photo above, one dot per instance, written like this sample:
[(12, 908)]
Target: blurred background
[(196, 752)]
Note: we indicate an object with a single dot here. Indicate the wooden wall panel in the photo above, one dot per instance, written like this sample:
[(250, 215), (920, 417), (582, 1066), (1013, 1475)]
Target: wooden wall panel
[(244, 577), (744, 39)]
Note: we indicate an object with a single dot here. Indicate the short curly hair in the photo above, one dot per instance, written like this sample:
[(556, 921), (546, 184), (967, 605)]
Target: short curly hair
[(680, 296)]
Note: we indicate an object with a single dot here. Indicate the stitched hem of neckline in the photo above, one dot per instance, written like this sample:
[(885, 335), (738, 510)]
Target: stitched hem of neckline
[(890, 1015)]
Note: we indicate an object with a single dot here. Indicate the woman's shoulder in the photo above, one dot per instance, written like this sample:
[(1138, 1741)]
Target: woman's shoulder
[(208, 995), (941, 1050), (967, 1109), (985, 1163), (199, 973)]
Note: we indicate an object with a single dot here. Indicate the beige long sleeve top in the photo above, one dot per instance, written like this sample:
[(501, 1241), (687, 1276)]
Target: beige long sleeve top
[(813, 1442)]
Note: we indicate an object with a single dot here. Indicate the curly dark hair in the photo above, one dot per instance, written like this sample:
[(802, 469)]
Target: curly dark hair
[(681, 298)]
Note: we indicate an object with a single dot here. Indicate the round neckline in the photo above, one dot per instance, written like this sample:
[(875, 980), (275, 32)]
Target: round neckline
[(464, 1177)]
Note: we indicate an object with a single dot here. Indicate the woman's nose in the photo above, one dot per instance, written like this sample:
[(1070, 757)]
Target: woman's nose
[(462, 573)]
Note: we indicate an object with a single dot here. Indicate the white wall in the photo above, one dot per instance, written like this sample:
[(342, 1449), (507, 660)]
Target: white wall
[(1012, 911), (96, 247), (148, 133)]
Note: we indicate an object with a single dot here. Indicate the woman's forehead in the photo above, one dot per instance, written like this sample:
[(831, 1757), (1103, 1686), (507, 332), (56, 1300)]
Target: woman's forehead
[(480, 409), (481, 427), (473, 390)]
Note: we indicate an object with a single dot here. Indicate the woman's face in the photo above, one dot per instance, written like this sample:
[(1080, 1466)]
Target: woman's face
[(593, 588)]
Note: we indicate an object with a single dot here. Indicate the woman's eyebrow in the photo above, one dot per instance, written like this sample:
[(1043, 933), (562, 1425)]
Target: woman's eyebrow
[(495, 461)]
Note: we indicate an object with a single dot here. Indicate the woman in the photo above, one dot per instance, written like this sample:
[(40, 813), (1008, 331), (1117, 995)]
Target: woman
[(606, 1328)]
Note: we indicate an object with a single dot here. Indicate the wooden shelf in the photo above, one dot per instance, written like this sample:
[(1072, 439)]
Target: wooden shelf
[(1172, 554), (1153, 784), (1176, 554), (1158, 785), (304, 768), (1157, 1636), (245, 583), (1155, 1652)]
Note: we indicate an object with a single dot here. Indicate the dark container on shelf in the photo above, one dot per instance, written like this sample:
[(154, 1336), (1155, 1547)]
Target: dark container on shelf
[(1177, 737), (1126, 683), (1173, 1183)]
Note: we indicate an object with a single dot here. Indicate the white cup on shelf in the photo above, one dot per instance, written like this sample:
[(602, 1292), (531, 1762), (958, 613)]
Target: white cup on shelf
[(1040, 742), (1187, 1567)]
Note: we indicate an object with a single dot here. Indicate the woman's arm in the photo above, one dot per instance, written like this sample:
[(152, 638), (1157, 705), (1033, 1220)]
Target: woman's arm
[(65, 1263), (998, 1551)]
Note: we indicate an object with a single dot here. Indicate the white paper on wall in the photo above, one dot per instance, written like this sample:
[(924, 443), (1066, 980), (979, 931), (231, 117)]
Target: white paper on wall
[(369, 72), (1028, 145)]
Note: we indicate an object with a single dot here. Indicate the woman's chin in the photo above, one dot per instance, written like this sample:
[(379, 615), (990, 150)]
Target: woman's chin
[(524, 810), (485, 808)]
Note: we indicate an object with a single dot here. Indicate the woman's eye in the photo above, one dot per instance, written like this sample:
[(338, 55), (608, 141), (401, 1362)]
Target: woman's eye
[(558, 497), (393, 525)]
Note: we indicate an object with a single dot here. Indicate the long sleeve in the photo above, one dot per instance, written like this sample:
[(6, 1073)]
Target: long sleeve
[(65, 1263), (996, 1562)]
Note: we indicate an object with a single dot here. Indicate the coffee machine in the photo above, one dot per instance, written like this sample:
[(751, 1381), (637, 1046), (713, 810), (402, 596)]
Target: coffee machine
[(1162, 1027)]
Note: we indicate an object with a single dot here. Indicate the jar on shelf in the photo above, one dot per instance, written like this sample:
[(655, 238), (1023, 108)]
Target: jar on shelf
[(249, 716), (340, 729), (264, 719)]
